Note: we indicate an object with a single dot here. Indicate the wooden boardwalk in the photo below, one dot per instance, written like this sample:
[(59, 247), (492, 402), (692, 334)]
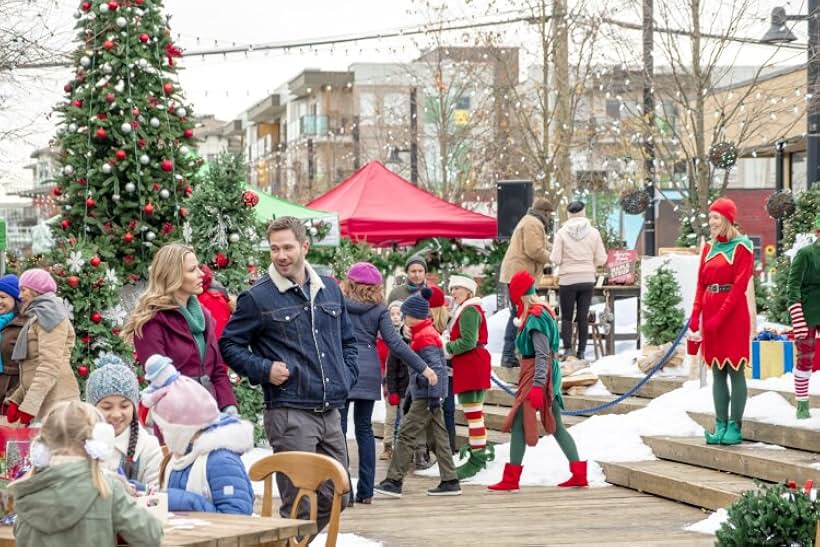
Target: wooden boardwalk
[(534, 516)]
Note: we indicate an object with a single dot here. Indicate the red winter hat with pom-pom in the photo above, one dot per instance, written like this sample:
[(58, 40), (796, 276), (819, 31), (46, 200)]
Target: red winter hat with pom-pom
[(437, 299), (521, 283), (207, 276), (725, 207)]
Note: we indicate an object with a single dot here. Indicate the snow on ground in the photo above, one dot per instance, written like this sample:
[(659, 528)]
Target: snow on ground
[(709, 525), (347, 540)]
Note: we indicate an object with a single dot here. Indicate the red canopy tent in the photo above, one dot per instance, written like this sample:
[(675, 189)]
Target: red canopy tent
[(378, 206)]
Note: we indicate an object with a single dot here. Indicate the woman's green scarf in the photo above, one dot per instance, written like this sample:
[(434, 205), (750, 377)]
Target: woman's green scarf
[(192, 312)]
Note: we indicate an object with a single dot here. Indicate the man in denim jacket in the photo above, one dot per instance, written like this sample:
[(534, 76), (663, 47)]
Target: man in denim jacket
[(291, 334)]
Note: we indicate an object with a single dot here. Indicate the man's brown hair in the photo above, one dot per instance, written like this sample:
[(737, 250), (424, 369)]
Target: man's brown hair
[(288, 223)]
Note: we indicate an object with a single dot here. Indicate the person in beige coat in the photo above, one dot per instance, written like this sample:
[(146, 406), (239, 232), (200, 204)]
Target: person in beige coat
[(529, 251), (43, 351), (578, 252)]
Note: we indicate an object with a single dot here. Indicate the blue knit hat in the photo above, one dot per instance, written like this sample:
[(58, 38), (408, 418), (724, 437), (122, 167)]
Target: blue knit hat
[(418, 304), (111, 376), (10, 285)]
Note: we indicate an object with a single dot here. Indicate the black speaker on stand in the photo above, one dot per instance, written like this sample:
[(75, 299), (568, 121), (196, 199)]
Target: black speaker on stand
[(514, 198)]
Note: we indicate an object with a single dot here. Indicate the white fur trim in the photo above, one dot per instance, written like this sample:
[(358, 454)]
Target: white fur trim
[(283, 283), (517, 322), (474, 301), (236, 437), (464, 282), (176, 436)]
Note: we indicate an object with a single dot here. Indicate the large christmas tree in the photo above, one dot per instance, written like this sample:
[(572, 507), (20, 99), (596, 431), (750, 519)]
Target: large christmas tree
[(224, 229), (125, 163)]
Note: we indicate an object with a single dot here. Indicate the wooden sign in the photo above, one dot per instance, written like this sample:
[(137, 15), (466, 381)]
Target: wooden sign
[(621, 266)]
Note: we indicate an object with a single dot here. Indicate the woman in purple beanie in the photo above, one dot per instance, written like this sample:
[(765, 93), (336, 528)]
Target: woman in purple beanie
[(364, 298)]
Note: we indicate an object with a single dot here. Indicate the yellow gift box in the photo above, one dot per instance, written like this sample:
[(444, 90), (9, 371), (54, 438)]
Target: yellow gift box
[(771, 359)]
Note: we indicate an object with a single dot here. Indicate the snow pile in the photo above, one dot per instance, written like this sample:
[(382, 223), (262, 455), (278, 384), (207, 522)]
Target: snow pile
[(709, 525), (786, 383), (347, 540)]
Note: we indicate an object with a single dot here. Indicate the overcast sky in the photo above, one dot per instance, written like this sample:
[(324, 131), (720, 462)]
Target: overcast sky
[(227, 86)]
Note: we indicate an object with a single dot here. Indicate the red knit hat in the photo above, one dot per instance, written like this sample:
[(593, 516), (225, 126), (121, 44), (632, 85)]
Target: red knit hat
[(521, 283), (207, 276), (437, 298), (725, 207)]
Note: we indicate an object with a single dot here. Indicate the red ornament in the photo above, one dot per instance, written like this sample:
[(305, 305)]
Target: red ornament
[(135, 111), (250, 198), (90, 203), (221, 261), (168, 88), (128, 237), (73, 281), (115, 331), (120, 155), (129, 259), (167, 165), (56, 191), (188, 133), (82, 370), (87, 339), (141, 143), (95, 261), (156, 187), (85, 6), (82, 182), (102, 116), (183, 212), (65, 223), (188, 190), (167, 228), (108, 44), (112, 6), (110, 97), (68, 87), (148, 209), (101, 133), (96, 316), (144, 38), (77, 103), (139, 2)]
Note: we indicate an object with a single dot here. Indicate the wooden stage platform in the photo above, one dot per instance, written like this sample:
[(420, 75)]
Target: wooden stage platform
[(534, 516)]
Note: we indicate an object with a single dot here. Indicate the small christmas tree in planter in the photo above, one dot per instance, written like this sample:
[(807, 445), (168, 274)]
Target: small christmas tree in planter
[(771, 515), (661, 316)]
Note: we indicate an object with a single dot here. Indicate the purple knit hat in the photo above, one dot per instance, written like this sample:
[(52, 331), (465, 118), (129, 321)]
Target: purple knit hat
[(365, 273), (38, 280)]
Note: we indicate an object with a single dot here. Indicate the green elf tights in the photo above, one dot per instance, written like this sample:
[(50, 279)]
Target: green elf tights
[(720, 393), (518, 445)]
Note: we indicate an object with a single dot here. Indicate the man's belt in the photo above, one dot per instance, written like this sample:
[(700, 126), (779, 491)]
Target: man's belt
[(719, 288)]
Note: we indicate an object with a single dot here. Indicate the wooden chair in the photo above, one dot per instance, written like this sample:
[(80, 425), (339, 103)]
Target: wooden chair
[(308, 472)]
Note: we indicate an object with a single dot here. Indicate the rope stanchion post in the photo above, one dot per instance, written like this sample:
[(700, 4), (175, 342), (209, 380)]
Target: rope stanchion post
[(634, 389)]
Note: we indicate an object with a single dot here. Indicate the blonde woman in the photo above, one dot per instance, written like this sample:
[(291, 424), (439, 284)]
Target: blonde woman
[(67, 500), (169, 320), (42, 351)]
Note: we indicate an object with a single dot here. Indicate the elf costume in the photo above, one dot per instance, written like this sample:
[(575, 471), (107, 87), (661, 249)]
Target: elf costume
[(804, 308), (471, 373), (539, 388), (721, 297)]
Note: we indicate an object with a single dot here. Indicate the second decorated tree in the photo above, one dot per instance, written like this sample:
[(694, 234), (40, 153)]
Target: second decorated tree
[(662, 316), (125, 159)]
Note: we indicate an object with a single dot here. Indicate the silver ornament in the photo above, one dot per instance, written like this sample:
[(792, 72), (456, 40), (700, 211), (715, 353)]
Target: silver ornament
[(78, 14), (107, 68), (115, 197), (164, 193), (150, 236), (106, 168), (92, 16), (130, 187), (85, 61), (233, 238), (181, 112), (67, 207), (154, 123), (72, 127), (144, 159), (68, 170), (103, 8), (126, 128), (183, 150), (121, 22)]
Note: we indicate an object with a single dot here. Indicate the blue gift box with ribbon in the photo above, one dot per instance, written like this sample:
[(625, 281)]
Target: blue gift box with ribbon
[(772, 356)]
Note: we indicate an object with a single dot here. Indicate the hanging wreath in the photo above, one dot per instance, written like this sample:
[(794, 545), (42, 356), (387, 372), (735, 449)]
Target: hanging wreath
[(723, 155), (780, 205), (635, 202)]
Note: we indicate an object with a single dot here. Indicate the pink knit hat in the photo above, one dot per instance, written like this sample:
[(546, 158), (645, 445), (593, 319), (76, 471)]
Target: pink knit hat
[(365, 273), (180, 408), (38, 280)]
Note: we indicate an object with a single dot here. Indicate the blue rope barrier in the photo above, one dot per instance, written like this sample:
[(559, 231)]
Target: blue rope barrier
[(620, 398)]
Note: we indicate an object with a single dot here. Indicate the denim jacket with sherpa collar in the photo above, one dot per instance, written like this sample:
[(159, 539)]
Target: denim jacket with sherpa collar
[(311, 333)]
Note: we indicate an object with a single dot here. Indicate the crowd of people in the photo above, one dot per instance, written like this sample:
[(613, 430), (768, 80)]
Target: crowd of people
[(318, 348)]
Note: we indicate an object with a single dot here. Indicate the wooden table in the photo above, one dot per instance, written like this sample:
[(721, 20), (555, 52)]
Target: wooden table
[(610, 293), (222, 531)]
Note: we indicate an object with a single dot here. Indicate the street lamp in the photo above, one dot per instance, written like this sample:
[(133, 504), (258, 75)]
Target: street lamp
[(778, 33), (395, 159)]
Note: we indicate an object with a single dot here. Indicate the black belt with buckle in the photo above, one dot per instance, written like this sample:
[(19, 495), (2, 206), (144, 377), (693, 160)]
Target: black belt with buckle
[(719, 288)]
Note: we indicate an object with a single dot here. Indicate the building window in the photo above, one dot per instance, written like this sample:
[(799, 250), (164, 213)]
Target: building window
[(397, 108), (752, 173), (613, 109), (368, 110), (797, 163)]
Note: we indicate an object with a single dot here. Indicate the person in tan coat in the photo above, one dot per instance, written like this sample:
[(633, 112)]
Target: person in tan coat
[(529, 251), (43, 351), (11, 321)]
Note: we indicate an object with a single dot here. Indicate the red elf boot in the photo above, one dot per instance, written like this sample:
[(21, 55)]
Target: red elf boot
[(512, 474), (579, 475)]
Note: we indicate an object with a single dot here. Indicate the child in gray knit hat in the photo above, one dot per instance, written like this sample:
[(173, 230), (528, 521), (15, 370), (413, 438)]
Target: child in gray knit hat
[(114, 390)]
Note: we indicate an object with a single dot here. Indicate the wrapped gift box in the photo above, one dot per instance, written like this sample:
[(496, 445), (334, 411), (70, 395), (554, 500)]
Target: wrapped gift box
[(771, 359)]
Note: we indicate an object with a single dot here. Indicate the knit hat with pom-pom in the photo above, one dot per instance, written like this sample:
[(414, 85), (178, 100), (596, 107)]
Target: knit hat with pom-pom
[(111, 376), (418, 305)]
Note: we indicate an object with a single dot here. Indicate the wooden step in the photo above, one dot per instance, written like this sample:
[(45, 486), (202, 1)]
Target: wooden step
[(493, 437), (494, 417), (578, 402), (801, 438), (680, 482), (498, 397), (769, 464), (814, 400), (655, 387), (507, 375)]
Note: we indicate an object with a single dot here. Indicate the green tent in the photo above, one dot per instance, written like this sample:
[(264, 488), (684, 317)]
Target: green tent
[(271, 207)]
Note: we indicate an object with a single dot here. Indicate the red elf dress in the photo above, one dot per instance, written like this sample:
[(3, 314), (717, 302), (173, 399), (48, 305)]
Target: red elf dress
[(723, 279)]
